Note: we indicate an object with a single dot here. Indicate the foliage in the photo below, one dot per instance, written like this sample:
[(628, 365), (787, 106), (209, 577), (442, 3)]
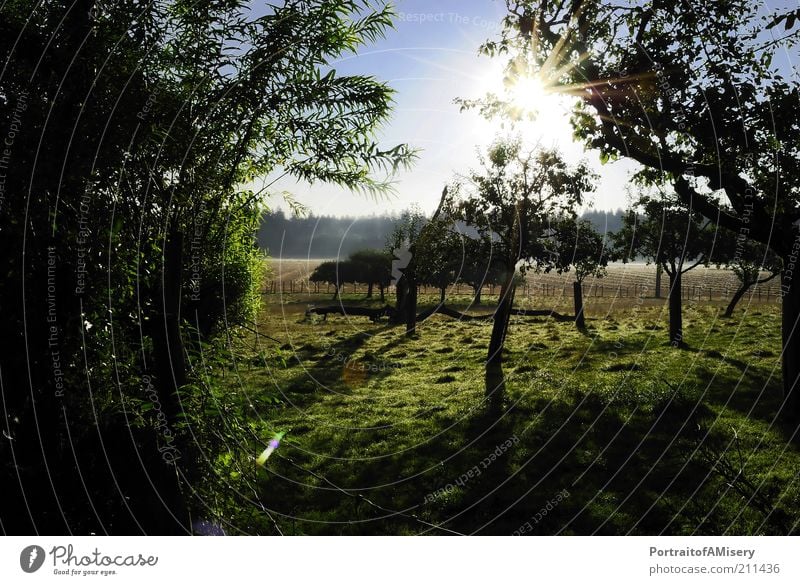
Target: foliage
[(510, 200), (439, 254), (144, 227), (659, 228), (581, 247), (372, 267), (364, 266)]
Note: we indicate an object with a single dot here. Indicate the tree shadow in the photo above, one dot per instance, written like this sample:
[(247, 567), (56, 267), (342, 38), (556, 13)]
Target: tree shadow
[(644, 471)]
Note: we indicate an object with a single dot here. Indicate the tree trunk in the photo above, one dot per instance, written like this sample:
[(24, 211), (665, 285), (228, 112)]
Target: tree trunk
[(501, 318), (406, 308), (790, 362), (442, 290), (577, 290), (675, 317), (383, 290), (477, 299), (740, 292), (659, 270), (411, 308), (400, 301), (369, 290)]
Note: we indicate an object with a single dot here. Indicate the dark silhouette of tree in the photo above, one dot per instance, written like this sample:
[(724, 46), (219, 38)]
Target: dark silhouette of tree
[(328, 273), (508, 201), (660, 229), (372, 267), (747, 259), (581, 248)]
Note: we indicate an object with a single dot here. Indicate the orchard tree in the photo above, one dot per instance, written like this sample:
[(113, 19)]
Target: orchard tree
[(509, 201), (439, 256), (328, 272), (581, 248), (372, 267), (402, 243), (660, 229), (480, 266), (747, 260), (398, 245), (694, 96)]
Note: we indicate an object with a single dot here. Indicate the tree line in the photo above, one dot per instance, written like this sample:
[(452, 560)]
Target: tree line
[(306, 235)]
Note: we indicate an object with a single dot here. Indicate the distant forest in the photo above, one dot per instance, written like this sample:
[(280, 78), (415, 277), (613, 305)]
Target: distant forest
[(330, 237)]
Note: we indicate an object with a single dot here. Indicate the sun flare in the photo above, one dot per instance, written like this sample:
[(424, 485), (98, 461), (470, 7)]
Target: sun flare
[(529, 94)]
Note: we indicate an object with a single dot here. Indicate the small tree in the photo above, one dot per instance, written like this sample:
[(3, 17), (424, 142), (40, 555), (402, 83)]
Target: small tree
[(439, 255), (747, 259), (480, 266), (581, 247), (402, 244), (372, 267), (660, 229), (335, 273), (509, 201), (398, 245)]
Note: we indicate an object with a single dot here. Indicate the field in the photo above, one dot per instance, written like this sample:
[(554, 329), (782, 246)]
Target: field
[(606, 431), (622, 281)]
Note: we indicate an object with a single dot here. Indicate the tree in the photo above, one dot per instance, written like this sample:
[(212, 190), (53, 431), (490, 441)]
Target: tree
[(402, 244), (581, 247), (372, 267), (144, 226), (439, 256), (695, 97), (328, 273), (747, 259), (480, 266), (660, 229), (508, 201)]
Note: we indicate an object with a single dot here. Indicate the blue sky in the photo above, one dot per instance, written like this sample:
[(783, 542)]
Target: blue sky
[(430, 58)]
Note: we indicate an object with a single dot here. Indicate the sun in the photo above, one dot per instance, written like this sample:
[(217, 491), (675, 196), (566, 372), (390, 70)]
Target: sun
[(529, 94), (539, 110)]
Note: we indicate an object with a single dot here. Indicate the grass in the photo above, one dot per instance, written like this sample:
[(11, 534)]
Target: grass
[(394, 435)]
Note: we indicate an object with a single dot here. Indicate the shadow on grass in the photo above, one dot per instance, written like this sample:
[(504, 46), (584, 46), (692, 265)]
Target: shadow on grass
[(629, 467)]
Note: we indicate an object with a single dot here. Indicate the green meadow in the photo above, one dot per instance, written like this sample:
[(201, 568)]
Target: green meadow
[(609, 430)]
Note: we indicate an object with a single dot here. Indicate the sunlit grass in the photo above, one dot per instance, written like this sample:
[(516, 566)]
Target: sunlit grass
[(645, 437)]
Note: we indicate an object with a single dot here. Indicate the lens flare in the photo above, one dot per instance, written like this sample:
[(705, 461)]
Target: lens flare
[(271, 446)]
